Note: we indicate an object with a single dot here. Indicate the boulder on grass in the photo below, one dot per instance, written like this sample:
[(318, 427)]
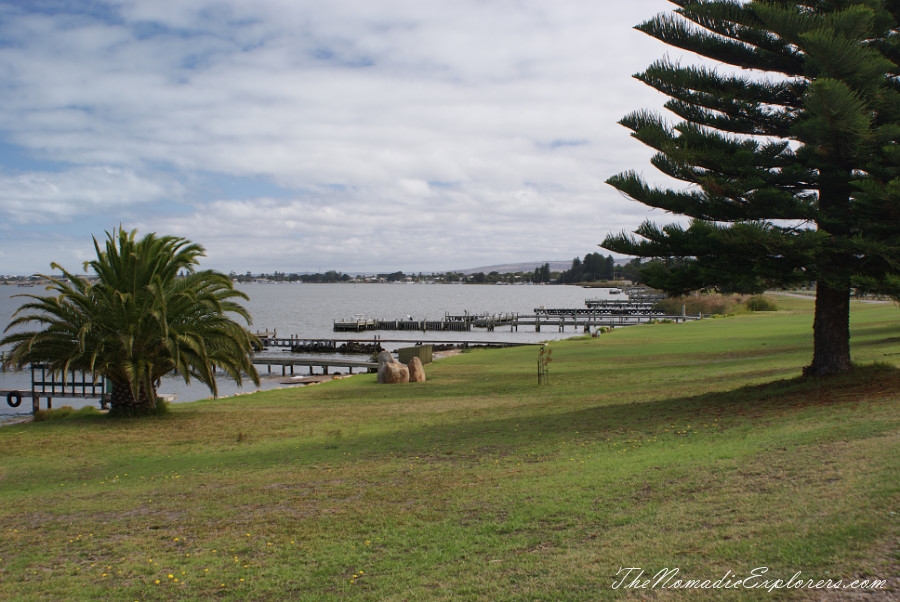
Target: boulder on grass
[(416, 370), (390, 371)]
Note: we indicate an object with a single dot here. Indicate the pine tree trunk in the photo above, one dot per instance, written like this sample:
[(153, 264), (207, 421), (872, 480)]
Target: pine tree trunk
[(831, 331), (831, 326)]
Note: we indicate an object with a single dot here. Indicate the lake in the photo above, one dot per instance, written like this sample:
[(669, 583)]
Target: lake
[(309, 311)]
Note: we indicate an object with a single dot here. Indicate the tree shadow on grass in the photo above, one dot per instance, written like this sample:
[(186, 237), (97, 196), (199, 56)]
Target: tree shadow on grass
[(760, 402), (463, 433), (428, 434)]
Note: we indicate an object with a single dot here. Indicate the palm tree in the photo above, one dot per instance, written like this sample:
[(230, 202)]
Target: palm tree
[(148, 313)]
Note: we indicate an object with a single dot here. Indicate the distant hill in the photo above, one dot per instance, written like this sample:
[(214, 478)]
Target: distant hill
[(506, 268)]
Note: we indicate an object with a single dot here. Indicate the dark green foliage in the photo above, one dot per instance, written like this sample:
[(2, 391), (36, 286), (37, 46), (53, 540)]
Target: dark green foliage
[(791, 155), (542, 274), (149, 313), (594, 267)]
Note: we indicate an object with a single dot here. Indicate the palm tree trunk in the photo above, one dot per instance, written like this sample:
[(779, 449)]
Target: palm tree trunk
[(122, 401)]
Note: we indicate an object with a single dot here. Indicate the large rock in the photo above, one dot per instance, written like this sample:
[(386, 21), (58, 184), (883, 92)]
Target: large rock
[(416, 370), (390, 371)]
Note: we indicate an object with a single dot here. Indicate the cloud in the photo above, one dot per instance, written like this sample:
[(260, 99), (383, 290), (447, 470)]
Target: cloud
[(51, 197), (470, 132)]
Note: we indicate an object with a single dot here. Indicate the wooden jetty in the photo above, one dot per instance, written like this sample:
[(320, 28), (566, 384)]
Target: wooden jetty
[(288, 363), (14, 397), (596, 313), (358, 324), (451, 323), (335, 345), (618, 307), (561, 318), (45, 383)]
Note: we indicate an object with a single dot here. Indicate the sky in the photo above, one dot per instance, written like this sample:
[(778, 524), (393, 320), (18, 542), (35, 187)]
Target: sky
[(360, 136)]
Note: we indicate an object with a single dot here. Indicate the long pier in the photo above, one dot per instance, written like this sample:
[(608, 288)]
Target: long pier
[(559, 318), (449, 323), (287, 362), (364, 345), (597, 313)]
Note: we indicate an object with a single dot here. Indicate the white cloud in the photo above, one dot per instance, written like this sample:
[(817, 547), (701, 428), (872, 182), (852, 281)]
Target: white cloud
[(471, 131), (49, 197)]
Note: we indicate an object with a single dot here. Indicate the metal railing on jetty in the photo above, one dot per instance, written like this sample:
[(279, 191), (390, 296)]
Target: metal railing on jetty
[(581, 319), (606, 306), (288, 363), (49, 384), (367, 345), (599, 315), (338, 347), (449, 323)]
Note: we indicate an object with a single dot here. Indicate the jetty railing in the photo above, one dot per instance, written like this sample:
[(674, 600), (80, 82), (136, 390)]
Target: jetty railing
[(639, 308), (288, 363), (51, 384), (560, 318)]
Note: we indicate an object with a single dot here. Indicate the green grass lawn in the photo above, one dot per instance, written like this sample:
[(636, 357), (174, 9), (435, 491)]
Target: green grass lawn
[(695, 447)]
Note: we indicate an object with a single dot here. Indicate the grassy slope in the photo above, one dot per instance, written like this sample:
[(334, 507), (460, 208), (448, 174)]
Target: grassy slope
[(692, 446)]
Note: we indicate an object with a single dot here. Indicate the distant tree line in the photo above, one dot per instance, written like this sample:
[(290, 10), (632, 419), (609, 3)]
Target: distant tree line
[(329, 276), (540, 275), (593, 268)]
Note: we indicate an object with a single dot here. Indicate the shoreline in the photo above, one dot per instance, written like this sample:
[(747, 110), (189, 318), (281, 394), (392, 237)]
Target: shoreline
[(13, 420), (302, 381)]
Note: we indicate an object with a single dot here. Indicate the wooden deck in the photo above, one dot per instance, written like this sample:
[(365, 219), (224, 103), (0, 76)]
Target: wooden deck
[(15, 397), (447, 323), (288, 363), (559, 318), (335, 345), (596, 313)]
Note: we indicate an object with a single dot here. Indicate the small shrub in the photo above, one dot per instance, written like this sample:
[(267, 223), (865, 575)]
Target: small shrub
[(707, 304), (760, 303), (54, 414), (64, 412)]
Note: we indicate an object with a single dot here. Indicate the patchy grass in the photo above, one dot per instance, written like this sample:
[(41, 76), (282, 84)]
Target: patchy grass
[(694, 446), (64, 413)]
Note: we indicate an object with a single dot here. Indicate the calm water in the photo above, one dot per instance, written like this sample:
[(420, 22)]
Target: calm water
[(309, 311)]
